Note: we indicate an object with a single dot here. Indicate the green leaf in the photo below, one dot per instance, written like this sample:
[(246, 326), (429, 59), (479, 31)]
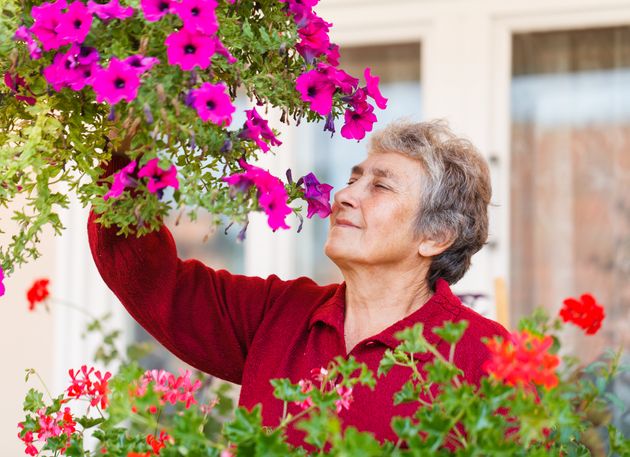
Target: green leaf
[(245, 426), (451, 332), (34, 401)]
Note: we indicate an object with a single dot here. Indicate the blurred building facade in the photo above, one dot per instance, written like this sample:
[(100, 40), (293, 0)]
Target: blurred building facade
[(542, 87)]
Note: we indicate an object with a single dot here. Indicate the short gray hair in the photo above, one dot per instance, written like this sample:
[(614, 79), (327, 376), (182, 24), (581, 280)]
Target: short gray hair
[(455, 198)]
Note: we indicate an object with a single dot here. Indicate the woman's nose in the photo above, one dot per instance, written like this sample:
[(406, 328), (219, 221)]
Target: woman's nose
[(346, 197)]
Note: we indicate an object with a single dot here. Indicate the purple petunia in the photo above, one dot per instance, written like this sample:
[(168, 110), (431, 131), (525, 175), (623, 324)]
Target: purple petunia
[(122, 179), (189, 49), (110, 11), (317, 196), (117, 82), (158, 177), (213, 103), (74, 25), (197, 15)]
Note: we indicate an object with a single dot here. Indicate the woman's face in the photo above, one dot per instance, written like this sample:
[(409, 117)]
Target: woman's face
[(373, 216)]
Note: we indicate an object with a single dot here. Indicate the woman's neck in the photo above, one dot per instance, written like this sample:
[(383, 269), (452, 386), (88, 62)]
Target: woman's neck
[(377, 298)]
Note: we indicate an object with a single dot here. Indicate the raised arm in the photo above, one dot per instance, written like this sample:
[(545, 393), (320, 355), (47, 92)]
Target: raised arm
[(205, 317)]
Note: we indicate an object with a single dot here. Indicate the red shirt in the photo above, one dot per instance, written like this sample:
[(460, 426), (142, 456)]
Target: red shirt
[(249, 330)]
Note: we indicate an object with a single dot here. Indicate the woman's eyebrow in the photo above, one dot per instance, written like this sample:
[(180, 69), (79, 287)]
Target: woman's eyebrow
[(380, 172)]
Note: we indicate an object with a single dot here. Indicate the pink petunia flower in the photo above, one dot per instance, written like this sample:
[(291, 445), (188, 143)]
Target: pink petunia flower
[(220, 49), (47, 18), (314, 38), (141, 63), (373, 90), (213, 103), (197, 15), (158, 178), (256, 128), (2, 288), (272, 195), (358, 121), (74, 25), (317, 89), (110, 11), (73, 69), (317, 196), (24, 34), (154, 10), (122, 179), (346, 83), (117, 82), (189, 49)]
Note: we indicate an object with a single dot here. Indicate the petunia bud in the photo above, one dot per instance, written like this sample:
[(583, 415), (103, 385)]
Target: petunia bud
[(227, 146), (112, 114), (148, 116)]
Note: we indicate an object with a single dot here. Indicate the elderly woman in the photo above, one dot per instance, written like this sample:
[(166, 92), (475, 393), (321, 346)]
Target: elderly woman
[(403, 229)]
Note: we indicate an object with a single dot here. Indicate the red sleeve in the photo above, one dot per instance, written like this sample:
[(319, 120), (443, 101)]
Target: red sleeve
[(205, 317)]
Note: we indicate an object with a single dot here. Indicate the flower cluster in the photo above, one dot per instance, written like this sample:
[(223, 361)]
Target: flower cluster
[(172, 389), (90, 383), (523, 360), (38, 293), (157, 178), (272, 196), (586, 313), (318, 86), (320, 376), (47, 426)]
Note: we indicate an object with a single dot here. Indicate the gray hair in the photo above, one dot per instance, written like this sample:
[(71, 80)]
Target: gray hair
[(455, 197)]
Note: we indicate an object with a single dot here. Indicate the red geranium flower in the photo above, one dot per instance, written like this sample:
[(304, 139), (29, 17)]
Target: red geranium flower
[(522, 360), (37, 293), (585, 313)]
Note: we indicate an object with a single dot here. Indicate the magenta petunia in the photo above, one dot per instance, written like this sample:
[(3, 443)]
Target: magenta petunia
[(213, 103), (116, 82), (74, 25), (223, 51), (197, 15), (189, 49), (158, 177), (47, 18), (317, 89), (154, 10), (332, 54), (373, 90), (358, 121), (317, 196), (122, 179), (257, 129), (24, 34), (110, 11), (272, 195), (346, 83), (314, 38), (2, 289), (141, 63)]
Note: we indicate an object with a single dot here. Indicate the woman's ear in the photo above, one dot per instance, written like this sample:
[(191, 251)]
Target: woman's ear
[(429, 247)]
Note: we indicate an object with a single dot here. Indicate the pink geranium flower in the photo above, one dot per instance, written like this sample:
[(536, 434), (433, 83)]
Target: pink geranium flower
[(197, 15), (159, 178), (117, 82), (122, 179), (154, 9), (141, 63), (317, 89), (109, 11), (75, 24), (24, 34), (317, 196), (373, 90), (189, 49), (47, 19), (358, 121), (213, 103), (272, 195)]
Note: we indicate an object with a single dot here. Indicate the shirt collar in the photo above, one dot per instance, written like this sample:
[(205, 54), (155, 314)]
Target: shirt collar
[(442, 306)]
